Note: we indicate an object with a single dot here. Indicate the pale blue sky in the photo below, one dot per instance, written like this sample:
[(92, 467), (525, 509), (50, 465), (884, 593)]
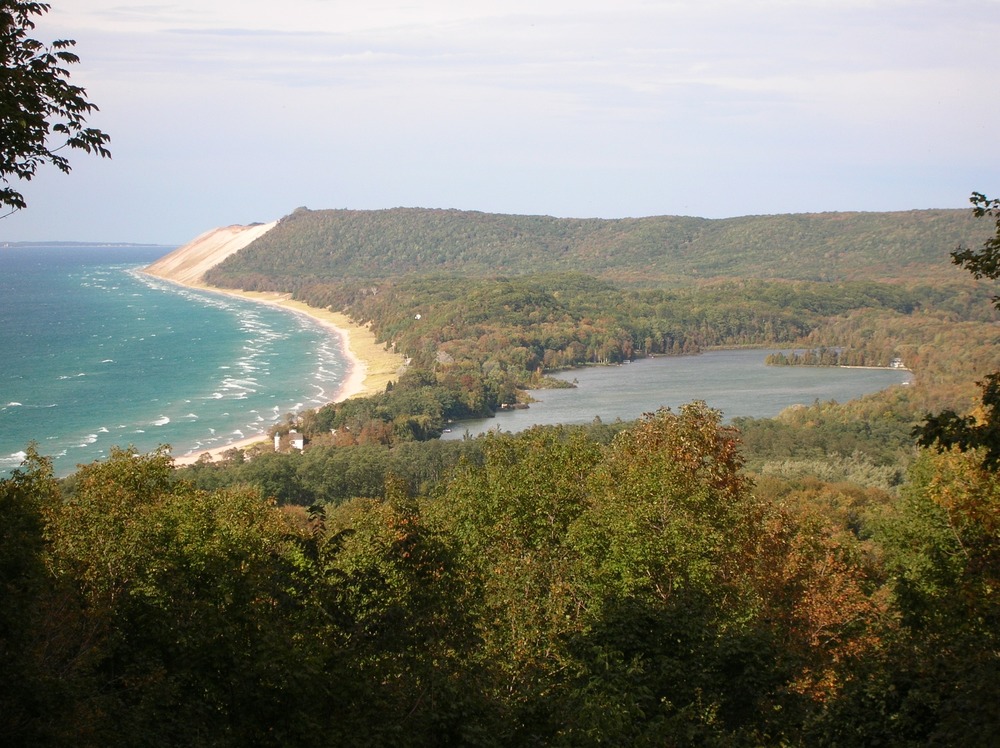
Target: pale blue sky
[(235, 111)]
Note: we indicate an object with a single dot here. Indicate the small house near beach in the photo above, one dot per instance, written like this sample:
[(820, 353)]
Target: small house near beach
[(287, 442)]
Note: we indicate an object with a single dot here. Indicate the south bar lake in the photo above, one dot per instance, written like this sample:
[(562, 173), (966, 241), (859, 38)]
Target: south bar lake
[(736, 382), (97, 355)]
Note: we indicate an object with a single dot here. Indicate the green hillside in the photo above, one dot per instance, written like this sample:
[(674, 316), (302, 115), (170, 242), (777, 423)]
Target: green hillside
[(346, 244)]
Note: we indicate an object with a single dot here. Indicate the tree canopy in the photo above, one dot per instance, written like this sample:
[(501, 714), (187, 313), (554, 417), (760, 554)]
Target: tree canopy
[(41, 111), (550, 588), (324, 246)]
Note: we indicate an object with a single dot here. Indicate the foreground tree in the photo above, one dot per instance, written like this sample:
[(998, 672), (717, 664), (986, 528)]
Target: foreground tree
[(933, 680), (41, 112), (192, 601)]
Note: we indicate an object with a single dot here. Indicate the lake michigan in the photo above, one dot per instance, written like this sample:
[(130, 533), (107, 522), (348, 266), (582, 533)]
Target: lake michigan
[(95, 354)]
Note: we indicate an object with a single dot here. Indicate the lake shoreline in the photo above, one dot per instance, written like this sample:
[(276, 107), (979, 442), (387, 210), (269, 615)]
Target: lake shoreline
[(735, 381), (370, 366)]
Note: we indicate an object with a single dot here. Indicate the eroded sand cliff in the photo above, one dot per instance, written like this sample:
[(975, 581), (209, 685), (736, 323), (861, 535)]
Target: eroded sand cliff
[(188, 264)]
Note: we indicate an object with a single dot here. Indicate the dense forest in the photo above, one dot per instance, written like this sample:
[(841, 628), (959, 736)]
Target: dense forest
[(816, 579), (631, 586), (337, 244)]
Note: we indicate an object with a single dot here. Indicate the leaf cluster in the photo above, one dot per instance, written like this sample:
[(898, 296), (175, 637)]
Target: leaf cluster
[(38, 103), (984, 262), (948, 428)]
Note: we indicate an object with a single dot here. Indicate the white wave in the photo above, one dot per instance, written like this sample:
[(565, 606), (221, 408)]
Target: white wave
[(108, 361), (88, 440), (231, 383), (161, 421), (19, 455), (13, 405), (103, 430), (192, 415)]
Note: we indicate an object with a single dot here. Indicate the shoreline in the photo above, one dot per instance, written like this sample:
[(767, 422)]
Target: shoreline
[(370, 366)]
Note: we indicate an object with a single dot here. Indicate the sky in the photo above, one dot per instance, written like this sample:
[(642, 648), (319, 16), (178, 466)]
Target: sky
[(228, 112)]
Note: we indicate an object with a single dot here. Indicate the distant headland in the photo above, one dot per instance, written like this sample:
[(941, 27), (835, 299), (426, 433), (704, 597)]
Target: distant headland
[(80, 244)]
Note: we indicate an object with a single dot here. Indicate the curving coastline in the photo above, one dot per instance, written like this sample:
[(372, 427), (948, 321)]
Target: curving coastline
[(370, 366)]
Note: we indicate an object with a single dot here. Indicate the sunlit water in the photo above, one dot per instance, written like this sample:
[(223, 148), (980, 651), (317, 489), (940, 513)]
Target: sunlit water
[(95, 354)]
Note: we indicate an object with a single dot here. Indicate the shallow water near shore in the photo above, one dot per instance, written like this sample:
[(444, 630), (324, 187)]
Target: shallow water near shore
[(737, 382), (96, 354)]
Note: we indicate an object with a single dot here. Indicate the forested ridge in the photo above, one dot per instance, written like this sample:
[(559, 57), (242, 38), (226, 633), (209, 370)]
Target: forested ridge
[(816, 579), (348, 244)]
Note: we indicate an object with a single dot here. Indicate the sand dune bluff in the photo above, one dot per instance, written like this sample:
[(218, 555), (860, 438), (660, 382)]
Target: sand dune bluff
[(188, 264)]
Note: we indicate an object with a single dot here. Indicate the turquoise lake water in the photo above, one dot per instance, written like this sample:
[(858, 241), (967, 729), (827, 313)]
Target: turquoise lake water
[(96, 354)]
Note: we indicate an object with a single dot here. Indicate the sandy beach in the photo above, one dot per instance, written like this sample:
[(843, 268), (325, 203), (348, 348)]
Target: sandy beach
[(370, 366)]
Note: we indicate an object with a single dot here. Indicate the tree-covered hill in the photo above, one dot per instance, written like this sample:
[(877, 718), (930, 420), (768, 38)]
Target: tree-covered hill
[(348, 244)]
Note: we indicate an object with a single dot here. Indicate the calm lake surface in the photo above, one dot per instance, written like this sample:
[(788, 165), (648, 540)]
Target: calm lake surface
[(736, 382)]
